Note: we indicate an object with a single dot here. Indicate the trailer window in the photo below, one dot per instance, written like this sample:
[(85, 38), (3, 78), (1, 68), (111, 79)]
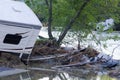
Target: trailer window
[(12, 39)]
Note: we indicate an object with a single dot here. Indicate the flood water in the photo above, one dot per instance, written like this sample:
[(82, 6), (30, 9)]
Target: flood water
[(42, 71), (58, 75), (38, 71)]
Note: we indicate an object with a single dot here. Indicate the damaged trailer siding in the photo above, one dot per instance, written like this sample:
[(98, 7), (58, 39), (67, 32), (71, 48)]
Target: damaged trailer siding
[(19, 27)]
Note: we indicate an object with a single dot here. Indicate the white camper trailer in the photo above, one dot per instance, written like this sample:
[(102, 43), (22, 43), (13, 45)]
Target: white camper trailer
[(19, 27)]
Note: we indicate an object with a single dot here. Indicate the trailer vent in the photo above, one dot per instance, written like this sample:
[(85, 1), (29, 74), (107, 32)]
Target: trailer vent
[(12, 39)]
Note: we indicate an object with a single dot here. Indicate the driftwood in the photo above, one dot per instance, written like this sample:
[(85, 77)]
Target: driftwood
[(70, 65), (37, 58), (47, 57), (41, 69)]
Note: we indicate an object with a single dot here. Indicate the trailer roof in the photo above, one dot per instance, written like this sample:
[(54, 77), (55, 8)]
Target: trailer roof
[(17, 12)]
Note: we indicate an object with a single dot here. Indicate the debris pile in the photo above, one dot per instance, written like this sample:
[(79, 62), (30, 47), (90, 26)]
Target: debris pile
[(48, 51), (87, 56), (10, 60)]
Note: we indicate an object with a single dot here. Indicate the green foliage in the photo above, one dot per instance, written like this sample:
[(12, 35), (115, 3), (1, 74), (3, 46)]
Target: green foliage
[(62, 13), (64, 10), (106, 77), (40, 8)]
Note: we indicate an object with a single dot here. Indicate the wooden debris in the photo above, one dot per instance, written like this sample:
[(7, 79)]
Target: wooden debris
[(41, 69), (75, 64), (69, 58), (37, 58)]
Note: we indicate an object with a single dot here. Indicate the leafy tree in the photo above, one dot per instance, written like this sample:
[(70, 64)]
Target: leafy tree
[(80, 16)]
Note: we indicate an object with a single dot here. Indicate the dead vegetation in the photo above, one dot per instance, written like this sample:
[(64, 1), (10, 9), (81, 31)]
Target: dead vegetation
[(71, 57), (9, 60)]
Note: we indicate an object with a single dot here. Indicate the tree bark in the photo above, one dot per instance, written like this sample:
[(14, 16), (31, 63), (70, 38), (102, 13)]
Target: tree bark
[(50, 19), (79, 46), (63, 34)]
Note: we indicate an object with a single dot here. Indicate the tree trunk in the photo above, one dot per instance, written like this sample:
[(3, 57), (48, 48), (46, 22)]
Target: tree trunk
[(50, 19), (64, 32), (79, 46)]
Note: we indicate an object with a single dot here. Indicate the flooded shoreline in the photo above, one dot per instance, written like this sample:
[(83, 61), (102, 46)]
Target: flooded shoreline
[(39, 70), (47, 70), (70, 74)]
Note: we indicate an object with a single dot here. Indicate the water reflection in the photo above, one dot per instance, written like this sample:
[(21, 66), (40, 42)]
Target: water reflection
[(25, 76), (45, 78), (48, 75), (104, 77)]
